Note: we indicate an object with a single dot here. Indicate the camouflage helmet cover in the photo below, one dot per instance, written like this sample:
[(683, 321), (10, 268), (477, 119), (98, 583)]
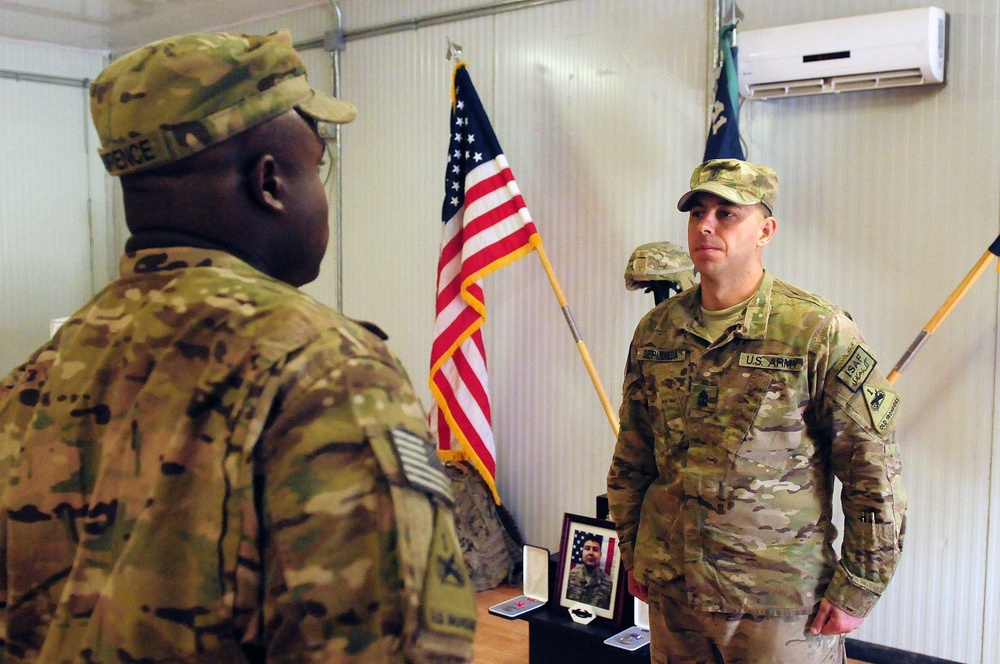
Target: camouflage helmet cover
[(659, 261)]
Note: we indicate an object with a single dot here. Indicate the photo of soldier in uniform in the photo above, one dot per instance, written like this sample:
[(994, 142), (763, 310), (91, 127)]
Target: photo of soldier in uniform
[(588, 582), (589, 566)]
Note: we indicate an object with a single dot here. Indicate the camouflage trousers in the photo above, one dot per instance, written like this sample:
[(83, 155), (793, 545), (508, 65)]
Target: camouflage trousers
[(680, 635)]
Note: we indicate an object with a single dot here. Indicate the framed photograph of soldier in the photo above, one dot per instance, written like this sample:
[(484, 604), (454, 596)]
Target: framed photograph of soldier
[(590, 582)]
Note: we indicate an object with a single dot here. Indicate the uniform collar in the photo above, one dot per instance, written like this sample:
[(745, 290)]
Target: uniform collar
[(754, 325), (166, 259), (687, 315)]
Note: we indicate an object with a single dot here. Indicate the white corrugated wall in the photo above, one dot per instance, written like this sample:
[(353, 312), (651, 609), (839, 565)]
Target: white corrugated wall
[(53, 251), (887, 199)]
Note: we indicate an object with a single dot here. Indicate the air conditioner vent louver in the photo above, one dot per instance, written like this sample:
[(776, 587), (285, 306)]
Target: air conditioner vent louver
[(872, 81)]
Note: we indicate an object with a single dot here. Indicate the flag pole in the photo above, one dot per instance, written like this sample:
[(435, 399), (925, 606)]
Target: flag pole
[(581, 346), (949, 304)]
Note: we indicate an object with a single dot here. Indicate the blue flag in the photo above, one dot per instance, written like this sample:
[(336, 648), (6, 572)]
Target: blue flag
[(724, 134)]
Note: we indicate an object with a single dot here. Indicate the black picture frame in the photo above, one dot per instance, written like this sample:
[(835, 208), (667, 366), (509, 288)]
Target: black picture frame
[(565, 598)]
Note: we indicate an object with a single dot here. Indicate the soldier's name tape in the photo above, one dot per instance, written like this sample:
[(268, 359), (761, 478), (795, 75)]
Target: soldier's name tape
[(754, 360), (658, 355)]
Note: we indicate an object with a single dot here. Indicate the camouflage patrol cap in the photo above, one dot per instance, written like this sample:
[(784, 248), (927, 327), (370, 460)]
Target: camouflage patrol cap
[(659, 261), (177, 96), (734, 180)]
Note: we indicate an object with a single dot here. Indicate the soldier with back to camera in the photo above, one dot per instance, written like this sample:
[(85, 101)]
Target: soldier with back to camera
[(743, 399), (205, 464)]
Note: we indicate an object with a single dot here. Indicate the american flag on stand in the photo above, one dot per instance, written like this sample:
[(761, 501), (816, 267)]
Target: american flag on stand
[(486, 226), (607, 550)]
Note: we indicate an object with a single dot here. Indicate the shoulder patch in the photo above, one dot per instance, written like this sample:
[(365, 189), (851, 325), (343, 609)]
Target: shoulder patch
[(420, 463), (883, 406), (777, 362), (660, 355), (448, 603), (859, 365)]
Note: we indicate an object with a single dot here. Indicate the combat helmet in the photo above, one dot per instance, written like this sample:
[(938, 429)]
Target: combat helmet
[(660, 267)]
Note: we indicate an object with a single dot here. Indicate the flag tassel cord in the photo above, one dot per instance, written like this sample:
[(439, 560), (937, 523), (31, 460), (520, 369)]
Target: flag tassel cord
[(945, 309), (581, 346)]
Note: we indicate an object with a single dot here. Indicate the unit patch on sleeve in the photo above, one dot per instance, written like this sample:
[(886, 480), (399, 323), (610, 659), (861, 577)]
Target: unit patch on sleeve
[(883, 406), (778, 362), (420, 464), (660, 355), (859, 365)]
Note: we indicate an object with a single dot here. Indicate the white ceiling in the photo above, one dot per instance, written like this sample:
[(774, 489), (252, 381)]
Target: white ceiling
[(120, 25)]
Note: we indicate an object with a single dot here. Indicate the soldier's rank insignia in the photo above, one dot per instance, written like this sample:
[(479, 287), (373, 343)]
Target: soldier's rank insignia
[(883, 406), (704, 397), (859, 365)]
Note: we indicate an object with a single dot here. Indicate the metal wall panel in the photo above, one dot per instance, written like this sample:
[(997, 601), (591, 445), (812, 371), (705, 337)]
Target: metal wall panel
[(887, 199), (49, 179)]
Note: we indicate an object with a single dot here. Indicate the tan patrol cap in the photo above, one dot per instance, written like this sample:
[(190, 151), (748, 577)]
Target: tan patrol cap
[(734, 180), (177, 96)]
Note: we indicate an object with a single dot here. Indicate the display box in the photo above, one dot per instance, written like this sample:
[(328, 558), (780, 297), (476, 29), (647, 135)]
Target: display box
[(535, 585), (634, 637)]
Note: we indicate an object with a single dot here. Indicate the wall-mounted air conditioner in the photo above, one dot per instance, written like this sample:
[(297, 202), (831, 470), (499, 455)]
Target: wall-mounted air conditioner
[(885, 50)]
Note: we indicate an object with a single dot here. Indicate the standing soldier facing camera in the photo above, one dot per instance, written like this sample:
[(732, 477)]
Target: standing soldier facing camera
[(743, 399), (205, 464)]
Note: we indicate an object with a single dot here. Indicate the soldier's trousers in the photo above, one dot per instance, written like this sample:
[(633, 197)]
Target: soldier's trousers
[(680, 635)]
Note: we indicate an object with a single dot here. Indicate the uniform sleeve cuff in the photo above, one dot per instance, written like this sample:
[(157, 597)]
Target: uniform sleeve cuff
[(625, 548), (848, 596)]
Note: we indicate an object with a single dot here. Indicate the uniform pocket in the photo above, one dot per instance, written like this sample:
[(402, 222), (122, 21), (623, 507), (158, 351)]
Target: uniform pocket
[(768, 426), (665, 394)]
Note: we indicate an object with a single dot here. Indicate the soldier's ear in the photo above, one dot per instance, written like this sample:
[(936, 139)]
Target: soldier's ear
[(266, 183), (767, 230)]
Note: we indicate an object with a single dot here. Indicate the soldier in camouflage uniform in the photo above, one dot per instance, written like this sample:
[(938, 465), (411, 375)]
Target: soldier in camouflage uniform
[(587, 582), (743, 399), (205, 464)]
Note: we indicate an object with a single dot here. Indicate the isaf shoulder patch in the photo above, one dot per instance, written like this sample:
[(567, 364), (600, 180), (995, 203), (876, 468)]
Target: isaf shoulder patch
[(883, 406), (420, 464), (860, 364)]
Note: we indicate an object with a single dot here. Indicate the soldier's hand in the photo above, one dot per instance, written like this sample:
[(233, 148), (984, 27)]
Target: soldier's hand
[(636, 588), (830, 620)]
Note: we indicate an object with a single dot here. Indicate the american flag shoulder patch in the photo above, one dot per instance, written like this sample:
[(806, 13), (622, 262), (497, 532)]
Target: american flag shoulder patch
[(420, 464)]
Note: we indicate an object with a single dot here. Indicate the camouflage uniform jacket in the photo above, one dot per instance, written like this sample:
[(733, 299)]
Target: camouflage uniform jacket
[(722, 478), (593, 589), (207, 465)]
